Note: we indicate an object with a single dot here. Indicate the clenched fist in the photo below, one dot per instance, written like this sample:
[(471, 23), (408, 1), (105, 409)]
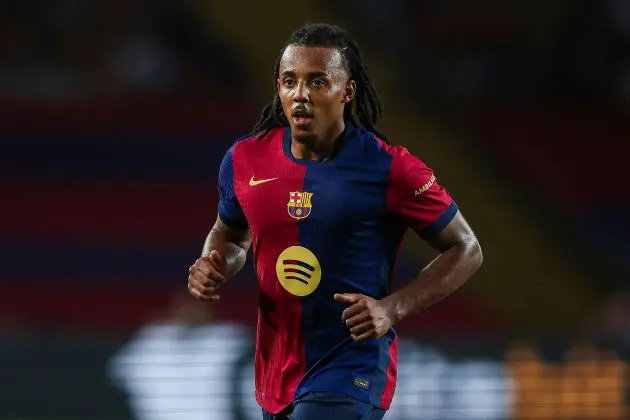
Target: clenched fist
[(206, 275), (367, 318)]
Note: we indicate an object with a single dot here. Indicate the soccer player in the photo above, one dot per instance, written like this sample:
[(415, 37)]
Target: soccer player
[(325, 200)]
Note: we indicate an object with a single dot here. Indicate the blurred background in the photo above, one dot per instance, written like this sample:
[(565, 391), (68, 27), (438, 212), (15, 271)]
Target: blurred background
[(114, 116)]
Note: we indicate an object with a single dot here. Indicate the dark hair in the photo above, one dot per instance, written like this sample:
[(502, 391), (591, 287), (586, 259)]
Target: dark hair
[(367, 103)]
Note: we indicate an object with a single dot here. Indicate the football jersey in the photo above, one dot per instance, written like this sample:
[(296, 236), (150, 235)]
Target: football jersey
[(320, 228)]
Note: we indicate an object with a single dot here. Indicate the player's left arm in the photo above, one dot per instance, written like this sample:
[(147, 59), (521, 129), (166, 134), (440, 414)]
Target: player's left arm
[(417, 199), (460, 256)]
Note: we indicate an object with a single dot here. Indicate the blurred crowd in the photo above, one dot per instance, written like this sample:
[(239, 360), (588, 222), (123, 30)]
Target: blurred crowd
[(62, 50), (517, 50)]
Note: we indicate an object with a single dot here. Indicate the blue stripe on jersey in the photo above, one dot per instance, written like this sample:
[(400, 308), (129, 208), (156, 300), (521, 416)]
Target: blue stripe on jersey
[(355, 242)]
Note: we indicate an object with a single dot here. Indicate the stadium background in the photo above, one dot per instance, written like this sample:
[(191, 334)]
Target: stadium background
[(115, 115)]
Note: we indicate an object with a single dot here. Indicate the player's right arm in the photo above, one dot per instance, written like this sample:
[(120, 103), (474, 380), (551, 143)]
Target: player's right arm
[(224, 254), (225, 248)]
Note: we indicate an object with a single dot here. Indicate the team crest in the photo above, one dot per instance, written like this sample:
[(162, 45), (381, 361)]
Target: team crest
[(299, 205)]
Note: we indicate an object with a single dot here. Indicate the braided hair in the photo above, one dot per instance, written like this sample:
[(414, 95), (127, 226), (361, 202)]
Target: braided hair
[(367, 105)]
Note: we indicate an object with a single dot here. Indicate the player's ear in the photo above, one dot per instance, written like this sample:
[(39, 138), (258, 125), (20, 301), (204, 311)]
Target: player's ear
[(349, 92)]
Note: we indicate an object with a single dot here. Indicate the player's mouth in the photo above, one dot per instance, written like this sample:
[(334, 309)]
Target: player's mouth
[(301, 118)]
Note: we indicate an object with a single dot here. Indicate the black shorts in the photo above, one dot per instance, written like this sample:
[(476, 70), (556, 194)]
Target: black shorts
[(327, 406)]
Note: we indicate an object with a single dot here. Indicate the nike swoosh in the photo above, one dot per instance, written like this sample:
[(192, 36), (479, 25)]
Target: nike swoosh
[(254, 182)]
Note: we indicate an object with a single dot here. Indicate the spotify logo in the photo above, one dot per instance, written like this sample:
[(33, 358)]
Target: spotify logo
[(298, 271)]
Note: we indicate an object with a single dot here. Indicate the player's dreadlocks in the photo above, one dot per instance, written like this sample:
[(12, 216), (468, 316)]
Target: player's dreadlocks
[(367, 103)]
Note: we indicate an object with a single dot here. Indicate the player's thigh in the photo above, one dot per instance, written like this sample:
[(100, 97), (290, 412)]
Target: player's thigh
[(331, 406)]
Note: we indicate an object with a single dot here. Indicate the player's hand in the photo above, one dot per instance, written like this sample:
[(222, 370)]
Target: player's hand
[(206, 275), (366, 317)]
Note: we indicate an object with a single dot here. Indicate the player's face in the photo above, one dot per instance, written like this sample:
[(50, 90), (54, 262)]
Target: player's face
[(314, 88)]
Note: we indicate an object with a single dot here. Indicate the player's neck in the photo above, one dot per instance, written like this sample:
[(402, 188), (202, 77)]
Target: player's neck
[(320, 148)]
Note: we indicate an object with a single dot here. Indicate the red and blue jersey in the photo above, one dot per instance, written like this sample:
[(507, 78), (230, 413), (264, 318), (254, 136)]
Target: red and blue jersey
[(320, 228)]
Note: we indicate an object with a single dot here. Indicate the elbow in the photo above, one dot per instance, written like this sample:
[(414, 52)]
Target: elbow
[(475, 254), (470, 252)]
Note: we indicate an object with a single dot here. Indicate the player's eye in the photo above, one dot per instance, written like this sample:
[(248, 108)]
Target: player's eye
[(318, 83), (288, 82)]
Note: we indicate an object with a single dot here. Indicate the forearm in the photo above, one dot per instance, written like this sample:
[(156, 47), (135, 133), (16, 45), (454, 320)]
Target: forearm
[(235, 254), (445, 274)]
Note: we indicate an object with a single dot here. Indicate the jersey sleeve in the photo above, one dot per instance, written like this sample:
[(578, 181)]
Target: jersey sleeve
[(415, 196), (230, 211)]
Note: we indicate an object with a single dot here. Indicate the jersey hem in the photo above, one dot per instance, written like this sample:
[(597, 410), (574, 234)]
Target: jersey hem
[(272, 407), (359, 395), (276, 407)]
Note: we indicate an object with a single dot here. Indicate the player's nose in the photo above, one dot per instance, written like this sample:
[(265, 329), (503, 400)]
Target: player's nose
[(301, 93)]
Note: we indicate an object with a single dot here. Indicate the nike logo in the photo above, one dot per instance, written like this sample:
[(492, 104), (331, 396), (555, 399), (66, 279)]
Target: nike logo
[(253, 182)]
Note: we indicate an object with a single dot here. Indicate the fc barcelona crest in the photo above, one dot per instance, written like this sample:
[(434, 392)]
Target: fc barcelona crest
[(299, 205)]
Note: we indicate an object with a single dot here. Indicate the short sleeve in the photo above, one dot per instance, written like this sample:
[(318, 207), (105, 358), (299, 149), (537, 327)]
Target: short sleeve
[(230, 211), (416, 197)]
